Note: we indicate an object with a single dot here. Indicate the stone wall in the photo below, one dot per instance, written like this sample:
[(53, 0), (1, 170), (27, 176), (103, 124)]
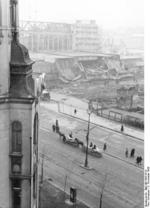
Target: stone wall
[(4, 156)]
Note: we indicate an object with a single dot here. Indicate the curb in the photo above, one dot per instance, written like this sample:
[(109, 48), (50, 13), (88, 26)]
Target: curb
[(67, 192)]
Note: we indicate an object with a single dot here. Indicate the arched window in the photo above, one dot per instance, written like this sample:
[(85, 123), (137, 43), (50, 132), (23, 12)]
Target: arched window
[(16, 137), (36, 126)]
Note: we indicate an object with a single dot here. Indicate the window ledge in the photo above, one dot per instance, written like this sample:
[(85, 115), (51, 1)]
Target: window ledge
[(20, 176), (16, 154)]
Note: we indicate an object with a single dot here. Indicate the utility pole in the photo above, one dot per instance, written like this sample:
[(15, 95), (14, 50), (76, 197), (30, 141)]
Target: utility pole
[(101, 193), (87, 143), (87, 137), (101, 196), (42, 169)]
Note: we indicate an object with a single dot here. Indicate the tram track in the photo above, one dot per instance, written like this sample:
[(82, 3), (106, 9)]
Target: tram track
[(113, 156), (90, 184), (121, 166)]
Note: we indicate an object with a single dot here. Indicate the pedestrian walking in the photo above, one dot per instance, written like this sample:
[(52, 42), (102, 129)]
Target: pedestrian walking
[(132, 152), (57, 123), (140, 160), (137, 160), (94, 147), (91, 144), (57, 126), (57, 129), (126, 152), (53, 128), (105, 146), (122, 128), (75, 111)]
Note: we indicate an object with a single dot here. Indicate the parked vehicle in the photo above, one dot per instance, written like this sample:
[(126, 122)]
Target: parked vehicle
[(94, 152)]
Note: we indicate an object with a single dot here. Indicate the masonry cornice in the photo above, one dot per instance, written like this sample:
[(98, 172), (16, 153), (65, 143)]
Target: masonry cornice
[(17, 100)]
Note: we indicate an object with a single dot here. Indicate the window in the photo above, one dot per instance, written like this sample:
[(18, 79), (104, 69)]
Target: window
[(36, 126), (35, 183), (16, 193), (16, 136), (16, 164)]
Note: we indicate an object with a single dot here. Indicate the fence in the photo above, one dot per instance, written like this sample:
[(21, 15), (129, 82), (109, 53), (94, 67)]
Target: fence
[(111, 115)]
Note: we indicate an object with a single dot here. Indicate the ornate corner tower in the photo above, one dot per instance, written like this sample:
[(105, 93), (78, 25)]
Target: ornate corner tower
[(19, 117)]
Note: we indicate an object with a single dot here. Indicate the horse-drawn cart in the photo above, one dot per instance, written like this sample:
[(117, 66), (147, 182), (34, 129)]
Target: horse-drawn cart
[(78, 143), (70, 140)]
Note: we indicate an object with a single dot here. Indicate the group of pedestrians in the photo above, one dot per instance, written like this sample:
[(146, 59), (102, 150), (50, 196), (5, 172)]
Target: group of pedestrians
[(55, 127), (132, 154), (93, 146)]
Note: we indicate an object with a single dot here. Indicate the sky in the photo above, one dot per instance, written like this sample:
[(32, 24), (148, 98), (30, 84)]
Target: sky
[(107, 13)]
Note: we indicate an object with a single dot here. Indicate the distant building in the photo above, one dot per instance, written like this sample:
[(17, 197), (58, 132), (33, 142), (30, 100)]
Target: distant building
[(125, 41), (85, 36), (46, 36), (18, 117), (50, 36), (132, 62)]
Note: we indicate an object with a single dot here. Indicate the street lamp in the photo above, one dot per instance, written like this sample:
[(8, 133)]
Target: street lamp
[(87, 137)]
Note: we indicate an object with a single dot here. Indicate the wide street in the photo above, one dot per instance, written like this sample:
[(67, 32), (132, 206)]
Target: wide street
[(121, 178)]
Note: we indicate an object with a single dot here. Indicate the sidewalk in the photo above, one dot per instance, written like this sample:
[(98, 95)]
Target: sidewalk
[(67, 105), (52, 197)]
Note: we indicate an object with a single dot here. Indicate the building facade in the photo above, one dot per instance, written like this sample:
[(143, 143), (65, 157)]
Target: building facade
[(18, 116), (46, 36), (50, 36), (85, 36)]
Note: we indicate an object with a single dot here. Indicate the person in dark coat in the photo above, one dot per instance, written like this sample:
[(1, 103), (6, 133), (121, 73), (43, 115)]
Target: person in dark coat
[(122, 128), (57, 129), (126, 152), (139, 160), (94, 147), (91, 144), (75, 111), (105, 146), (132, 152), (57, 126), (53, 127), (57, 123)]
